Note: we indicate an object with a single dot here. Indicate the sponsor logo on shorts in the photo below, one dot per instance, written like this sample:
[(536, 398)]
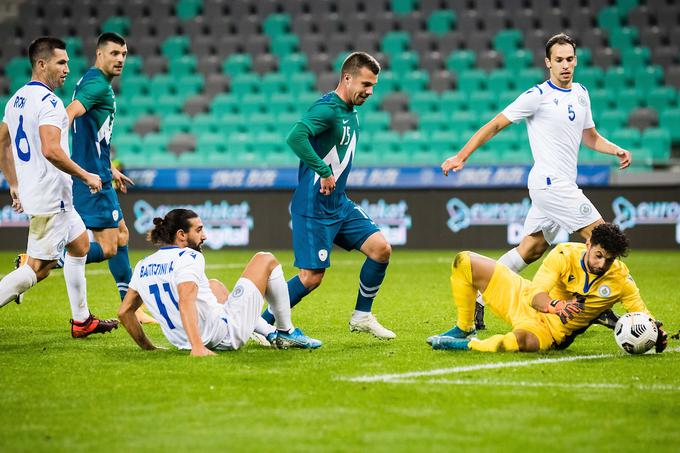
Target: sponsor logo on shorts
[(114, 214), (60, 246), (323, 254), (585, 209), (604, 291), (238, 291)]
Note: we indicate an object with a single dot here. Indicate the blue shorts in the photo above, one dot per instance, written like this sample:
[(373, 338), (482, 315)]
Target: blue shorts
[(100, 210), (313, 237)]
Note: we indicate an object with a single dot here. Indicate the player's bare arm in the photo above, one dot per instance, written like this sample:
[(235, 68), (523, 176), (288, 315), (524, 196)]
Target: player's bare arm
[(75, 110), (126, 314), (187, 310), (7, 167), (593, 140), (121, 180), (483, 135), (50, 139)]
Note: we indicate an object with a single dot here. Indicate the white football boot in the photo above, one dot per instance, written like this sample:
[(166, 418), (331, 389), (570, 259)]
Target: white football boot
[(368, 323)]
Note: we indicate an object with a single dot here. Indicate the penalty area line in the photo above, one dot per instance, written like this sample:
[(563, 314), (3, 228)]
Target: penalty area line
[(408, 376)]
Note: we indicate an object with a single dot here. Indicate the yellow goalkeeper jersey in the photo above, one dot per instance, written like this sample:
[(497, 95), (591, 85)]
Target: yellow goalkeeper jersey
[(564, 274)]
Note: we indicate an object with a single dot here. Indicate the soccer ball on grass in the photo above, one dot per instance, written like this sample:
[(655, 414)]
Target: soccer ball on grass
[(636, 332)]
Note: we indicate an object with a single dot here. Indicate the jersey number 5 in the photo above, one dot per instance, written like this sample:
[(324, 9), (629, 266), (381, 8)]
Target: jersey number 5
[(572, 114), (156, 293)]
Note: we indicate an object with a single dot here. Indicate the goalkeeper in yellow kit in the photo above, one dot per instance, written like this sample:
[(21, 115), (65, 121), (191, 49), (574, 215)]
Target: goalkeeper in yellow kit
[(575, 283)]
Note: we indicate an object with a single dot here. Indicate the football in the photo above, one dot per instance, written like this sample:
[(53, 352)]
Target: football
[(636, 332)]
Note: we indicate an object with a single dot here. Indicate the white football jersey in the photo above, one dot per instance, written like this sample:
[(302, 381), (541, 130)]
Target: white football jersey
[(43, 188), (556, 118), (156, 277)]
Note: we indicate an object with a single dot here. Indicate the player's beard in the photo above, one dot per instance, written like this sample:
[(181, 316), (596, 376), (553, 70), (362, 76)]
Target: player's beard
[(195, 246)]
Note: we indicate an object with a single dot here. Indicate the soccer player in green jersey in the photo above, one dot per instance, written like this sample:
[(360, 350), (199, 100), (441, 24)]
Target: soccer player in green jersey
[(92, 113)]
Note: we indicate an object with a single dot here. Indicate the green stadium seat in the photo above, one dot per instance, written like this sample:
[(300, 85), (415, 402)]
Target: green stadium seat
[(628, 99), (181, 66), (374, 121), (285, 122), (424, 101), (230, 123), (269, 144), (224, 103), (252, 103), (175, 123), (273, 82), (276, 25), (517, 60), (18, 69), (658, 140), (162, 84), (648, 78), (204, 123), (395, 42), (507, 41), (453, 101), (123, 125), (191, 159), (592, 78), (128, 144), (117, 24), (609, 18), (669, 120), (74, 46), (526, 78), (161, 159), (133, 66), (584, 57), (643, 159), (387, 83), (626, 138), (279, 103), (188, 9), (464, 120), (211, 143), (460, 61), (175, 47), (134, 160), (368, 156), (501, 80), (154, 142), (259, 122), (284, 45), (292, 63), (441, 22), (506, 98), (472, 80), (301, 82), (190, 85), (626, 5), (480, 101), (404, 62), (601, 100), (415, 81), (245, 83), (612, 120), (337, 63), (430, 122), (623, 38), (635, 57), (385, 141), (167, 104), (135, 86), (139, 105), (516, 156), (78, 65), (661, 98), (617, 79), (446, 143), (236, 64), (403, 7)]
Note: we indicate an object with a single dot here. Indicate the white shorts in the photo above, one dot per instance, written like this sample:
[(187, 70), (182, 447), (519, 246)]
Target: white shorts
[(554, 208), (48, 234), (241, 310)]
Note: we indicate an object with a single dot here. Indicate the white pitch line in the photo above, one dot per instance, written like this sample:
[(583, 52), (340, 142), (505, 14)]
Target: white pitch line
[(561, 385), (483, 366)]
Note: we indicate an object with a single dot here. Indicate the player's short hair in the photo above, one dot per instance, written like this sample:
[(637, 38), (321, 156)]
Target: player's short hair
[(108, 37), (560, 38), (611, 238), (166, 228), (42, 48), (357, 60)]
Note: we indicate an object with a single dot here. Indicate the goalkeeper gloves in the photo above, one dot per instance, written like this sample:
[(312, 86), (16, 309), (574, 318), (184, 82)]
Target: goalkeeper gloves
[(661, 339), (566, 309)]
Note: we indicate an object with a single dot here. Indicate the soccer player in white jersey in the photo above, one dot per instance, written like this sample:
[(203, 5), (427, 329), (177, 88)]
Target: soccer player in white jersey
[(200, 314), (558, 117), (35, 162)]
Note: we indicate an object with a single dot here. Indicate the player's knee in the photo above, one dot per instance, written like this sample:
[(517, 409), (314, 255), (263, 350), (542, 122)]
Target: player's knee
[(267, 259), (311, 280), (527, 342), (383, 252), (108, 250), (535, 252), (458, 259), (123, 236)]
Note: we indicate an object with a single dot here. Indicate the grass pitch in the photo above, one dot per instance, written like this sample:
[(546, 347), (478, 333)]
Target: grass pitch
[(103, 393)]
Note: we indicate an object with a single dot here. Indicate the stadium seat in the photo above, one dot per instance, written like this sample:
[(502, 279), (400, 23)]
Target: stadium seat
[(626, 138), (517, 60), (460, 61), (173, 124), (181, 66), (453, 101), (661, 98), (507, 41), (669, 120), (430, 122), (175, 47), (611, 119), (480, 101), (293, 63), (237, 64), (276, 25), (472, 80), (657, 140), (404, 62), (395, 42), (245, 83), (635, 57), (592, 78), (284, 45), (441, 22), (117, 24), (188, 9)]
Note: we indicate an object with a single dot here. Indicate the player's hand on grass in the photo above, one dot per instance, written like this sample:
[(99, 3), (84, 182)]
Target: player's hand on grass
[(94, 182), (625, 158), (327, 185), (455, 163), (201, 352), (16, 203), (566, 309), (121, 180), (661, 339)]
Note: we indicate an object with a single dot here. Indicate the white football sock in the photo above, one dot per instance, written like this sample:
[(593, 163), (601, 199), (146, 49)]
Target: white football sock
[(278, 299), (76, 286), (16, 282), (513, 260), (263, 327)]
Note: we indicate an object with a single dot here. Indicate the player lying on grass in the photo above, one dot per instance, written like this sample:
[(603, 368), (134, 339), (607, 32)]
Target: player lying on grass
[(200, 314), (575, 283)]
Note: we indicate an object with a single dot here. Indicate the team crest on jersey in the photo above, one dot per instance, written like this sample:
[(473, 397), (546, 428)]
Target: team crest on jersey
[(114, 214), (323, 254), (238, 291), (585, 209), (604, 291), (582, 100)]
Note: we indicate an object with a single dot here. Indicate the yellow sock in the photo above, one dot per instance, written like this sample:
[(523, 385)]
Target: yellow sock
[(464, 294), (497, 343)]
